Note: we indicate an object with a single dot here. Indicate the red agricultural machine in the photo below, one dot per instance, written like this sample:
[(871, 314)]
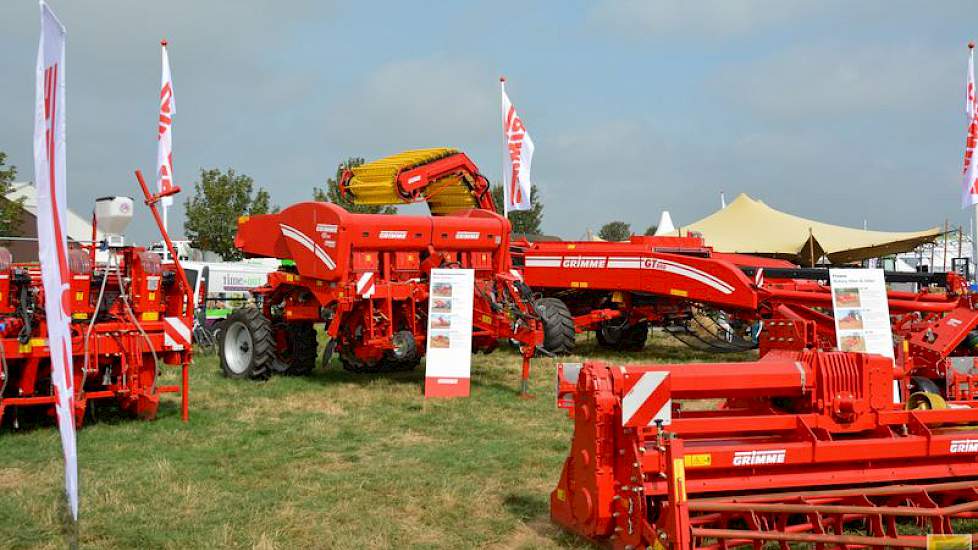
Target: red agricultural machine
[(807, 446), (130, 316), (366, 275), (619, 290)]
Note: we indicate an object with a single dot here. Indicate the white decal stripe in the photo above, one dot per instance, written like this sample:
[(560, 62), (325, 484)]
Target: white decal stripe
[(639, 393), (542, 262), (624, 264), (695, 274), (305, 241)]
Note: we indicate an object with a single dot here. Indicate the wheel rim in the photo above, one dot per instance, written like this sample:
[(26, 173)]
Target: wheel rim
[(400, 343), (238, 347)]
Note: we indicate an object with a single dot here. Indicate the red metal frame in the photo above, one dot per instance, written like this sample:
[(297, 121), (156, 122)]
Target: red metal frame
[(807, 444), (366, 275), (120, 357)]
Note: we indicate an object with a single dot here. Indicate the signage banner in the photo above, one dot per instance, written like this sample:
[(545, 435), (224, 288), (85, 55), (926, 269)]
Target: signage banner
[(449, 355), (862, 314)]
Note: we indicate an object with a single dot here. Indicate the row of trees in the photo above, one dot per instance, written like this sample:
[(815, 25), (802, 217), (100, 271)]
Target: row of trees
[(621, 231)]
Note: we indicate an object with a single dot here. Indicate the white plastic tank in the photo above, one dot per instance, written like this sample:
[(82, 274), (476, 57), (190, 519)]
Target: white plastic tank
[(113, 215)]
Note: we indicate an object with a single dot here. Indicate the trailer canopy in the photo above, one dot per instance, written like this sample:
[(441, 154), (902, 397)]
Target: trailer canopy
[(749, 226)]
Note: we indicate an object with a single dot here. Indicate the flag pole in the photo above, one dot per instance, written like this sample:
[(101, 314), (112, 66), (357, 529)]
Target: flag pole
[(974, 207), (166, 208), (502, 90)]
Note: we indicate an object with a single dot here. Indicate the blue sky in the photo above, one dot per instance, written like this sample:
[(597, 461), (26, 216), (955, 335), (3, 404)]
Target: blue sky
[(834, 110)]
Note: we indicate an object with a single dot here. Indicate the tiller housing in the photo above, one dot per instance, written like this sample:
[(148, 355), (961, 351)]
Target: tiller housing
[(824, 448)]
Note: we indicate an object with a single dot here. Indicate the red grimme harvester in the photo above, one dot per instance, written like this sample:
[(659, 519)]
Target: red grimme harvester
[(619, 290), (130, 316), (366, 275), (809, 446)]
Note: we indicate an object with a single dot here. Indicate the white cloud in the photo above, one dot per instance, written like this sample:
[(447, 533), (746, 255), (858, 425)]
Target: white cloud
[(427, 102), (837, 80), (709, 18)]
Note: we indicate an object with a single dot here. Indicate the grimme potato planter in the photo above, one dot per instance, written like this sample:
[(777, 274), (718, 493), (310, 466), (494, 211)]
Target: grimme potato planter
[(809, 446), (366, 275), (130, 316)]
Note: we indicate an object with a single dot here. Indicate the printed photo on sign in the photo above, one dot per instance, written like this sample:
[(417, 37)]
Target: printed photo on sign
[(847, 297), (440, 340), (442, 290), (441, 305), (441, 321), (852, 342), (850, 319)]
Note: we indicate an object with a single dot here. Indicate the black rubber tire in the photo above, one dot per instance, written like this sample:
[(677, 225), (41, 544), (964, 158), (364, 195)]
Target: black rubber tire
[(351, 363), (301, 357), (922, 384), (630, 338), (407, 358), (260, 344), (558, 325)]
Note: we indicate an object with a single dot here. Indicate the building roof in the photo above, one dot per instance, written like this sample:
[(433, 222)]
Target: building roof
[(749, 226), (79, 228)]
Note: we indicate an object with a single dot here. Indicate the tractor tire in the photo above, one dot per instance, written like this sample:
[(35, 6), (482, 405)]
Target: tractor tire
[(300, 357), (246, 345), (352, 363), (558, 325), (630, 338), (405, 356)]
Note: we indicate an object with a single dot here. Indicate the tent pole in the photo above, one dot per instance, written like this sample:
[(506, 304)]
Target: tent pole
[(811, 247), (944, 264)]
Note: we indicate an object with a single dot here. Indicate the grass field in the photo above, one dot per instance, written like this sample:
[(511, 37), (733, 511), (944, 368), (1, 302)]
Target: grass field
[(333, 460)]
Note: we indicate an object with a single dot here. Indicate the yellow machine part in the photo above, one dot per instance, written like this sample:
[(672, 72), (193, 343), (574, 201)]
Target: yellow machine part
[(375, 182)]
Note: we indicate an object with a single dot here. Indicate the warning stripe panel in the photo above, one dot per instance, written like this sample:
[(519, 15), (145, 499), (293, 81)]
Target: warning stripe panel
[(176, 334), (648, 399)]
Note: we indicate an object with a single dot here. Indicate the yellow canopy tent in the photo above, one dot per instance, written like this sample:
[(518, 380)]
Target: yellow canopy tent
[(749, 226)]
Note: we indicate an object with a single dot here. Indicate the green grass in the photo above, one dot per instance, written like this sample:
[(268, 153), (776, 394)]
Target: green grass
[(333, 460)]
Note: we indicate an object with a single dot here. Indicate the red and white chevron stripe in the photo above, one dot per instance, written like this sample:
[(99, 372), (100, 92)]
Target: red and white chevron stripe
[(176, 333), (366, 284), (648, 397)]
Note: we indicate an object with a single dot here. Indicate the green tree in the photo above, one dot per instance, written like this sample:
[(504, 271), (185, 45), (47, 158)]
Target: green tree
[(615, 231), (523, 221), (10, 210), (212, 213), (650, 231), (331, 193)]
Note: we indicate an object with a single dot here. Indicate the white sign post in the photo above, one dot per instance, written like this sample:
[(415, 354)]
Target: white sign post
[(449, 355), (862, 313)]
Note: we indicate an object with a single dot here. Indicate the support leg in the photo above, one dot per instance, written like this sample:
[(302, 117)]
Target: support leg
[(525, 379), (184, 393)]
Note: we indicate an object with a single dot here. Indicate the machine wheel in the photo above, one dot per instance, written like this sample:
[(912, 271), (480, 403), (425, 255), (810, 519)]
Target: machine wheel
[(629, 338), (351, 363), (404, 356), (246, 344), (558, 325), (926, 401), (299, 356)]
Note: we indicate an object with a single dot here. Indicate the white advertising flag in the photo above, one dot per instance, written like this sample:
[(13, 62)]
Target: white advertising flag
[(164, 151), (518, 158), (49, 176), (969, 196)]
